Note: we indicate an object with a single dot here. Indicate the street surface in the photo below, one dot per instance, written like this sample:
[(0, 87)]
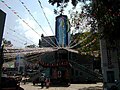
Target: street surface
[(98, 86)]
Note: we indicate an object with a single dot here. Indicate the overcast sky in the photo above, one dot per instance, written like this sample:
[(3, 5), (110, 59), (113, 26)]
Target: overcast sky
[(17, 31)]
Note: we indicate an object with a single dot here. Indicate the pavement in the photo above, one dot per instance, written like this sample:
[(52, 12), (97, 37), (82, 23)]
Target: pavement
[(98, 86)]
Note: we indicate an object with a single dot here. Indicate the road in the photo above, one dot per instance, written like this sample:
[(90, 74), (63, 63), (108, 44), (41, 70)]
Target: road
[(97, 86)]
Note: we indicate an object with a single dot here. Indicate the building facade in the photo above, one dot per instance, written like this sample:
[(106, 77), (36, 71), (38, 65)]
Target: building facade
[(48, 41)]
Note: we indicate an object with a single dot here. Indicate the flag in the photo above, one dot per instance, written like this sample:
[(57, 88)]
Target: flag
[(22, 2), (2, 1), (9, 7), (25, 43), (15, 12)]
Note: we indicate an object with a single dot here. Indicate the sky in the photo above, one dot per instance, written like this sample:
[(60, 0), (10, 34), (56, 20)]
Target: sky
[(17, 31)]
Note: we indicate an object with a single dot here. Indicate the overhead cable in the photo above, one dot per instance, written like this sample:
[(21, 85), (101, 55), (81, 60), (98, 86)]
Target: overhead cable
[(36, 20), (45, 16), (47, 19), (15, 40), (21, 35), (81, 41), (14, 12), (71, 43)]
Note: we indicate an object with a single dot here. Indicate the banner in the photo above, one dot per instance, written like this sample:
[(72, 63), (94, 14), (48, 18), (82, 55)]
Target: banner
[(62, 30)]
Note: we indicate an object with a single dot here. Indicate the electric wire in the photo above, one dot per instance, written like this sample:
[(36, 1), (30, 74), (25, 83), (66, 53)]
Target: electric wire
[(81, 41), (45, 15), (36, 20), (72, 46), (47, 19), (48, 42), (71, 43), (21, 36), (88, 44), (15, 36), (18, 38), (24, 21), (15, 40), (83, 28)]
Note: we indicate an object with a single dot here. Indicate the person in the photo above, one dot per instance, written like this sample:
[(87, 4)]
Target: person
[(42, 80), (24, 79), (4, 75), (47, 81), (114, 87), (9, 83)]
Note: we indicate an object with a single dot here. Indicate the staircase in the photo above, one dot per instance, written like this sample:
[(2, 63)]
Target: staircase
[(93, 76)]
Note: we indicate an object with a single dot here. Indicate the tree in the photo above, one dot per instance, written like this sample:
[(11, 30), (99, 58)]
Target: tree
[(7, 43), (31, 46), (58, 2), (84, 23), (107, 13), (103, 13), (89, 46)]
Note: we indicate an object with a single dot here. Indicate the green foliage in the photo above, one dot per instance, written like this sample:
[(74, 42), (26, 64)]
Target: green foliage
[(58, 2), (7, 43), (88, 46), (103, 13), (107, 14), (31, 46), (99, 14)]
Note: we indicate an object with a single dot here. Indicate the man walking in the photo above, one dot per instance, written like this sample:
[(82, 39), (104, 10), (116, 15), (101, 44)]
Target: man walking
[(42, 80)]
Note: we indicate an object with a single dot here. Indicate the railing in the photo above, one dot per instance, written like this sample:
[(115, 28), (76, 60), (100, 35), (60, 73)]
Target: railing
[(83, 68)]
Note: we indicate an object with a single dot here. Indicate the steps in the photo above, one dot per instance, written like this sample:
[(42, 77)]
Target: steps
[(82, 68)]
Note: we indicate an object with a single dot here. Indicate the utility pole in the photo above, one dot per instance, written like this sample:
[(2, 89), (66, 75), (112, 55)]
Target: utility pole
[(2, 22)]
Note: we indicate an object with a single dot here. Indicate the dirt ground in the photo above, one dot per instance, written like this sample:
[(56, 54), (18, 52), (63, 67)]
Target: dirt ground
[(98, 86)]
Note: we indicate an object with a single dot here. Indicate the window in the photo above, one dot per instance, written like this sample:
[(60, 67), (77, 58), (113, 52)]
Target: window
[(81, 73), (76, 72), (110, 77), (72, 71)]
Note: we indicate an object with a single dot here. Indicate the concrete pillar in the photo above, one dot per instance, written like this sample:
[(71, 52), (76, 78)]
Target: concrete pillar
[(109, 63), (2, 22)]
